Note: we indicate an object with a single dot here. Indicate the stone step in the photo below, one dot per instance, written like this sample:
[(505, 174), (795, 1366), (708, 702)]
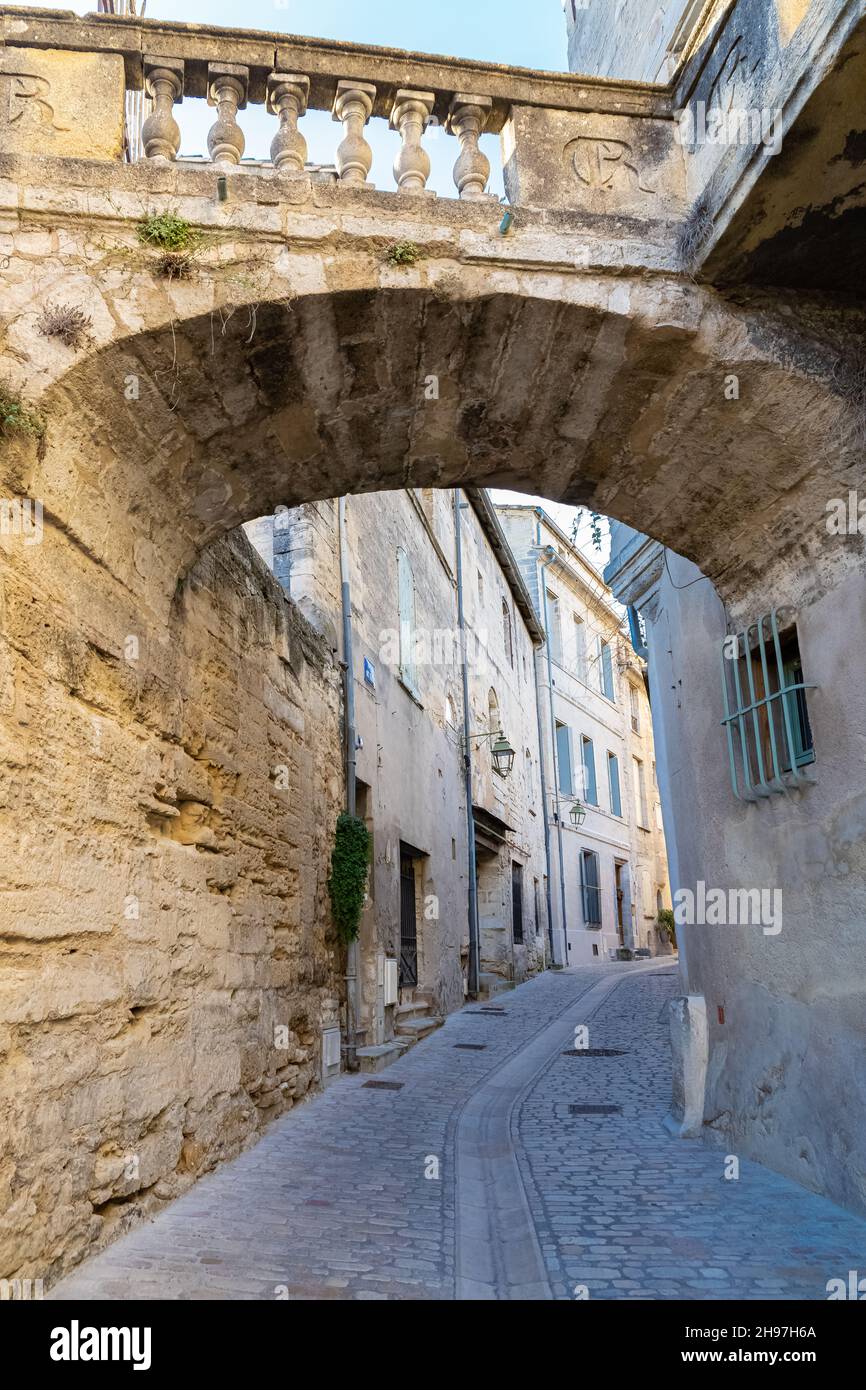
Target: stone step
[(418, 1027), (373, 1059), (414, 1008)]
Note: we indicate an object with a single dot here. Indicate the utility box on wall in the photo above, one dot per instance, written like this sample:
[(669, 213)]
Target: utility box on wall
[(392, 981), (330, 1053)]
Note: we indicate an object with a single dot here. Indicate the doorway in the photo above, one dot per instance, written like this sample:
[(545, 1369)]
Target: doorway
[(408, 922)]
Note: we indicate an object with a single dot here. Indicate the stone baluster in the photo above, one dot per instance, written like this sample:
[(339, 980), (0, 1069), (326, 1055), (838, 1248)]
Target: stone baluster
[(226, 90), (288, 95), (353, 106), (163, 83), (466, 119), (411, 116)]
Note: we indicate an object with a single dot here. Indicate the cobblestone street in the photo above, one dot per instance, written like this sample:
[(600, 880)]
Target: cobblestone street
[(341, 1198)]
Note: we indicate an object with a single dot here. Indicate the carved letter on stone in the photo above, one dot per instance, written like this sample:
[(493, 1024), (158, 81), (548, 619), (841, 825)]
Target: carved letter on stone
[(353, 105), (28, 100), (288, 94), (227, 91), (600, 162)]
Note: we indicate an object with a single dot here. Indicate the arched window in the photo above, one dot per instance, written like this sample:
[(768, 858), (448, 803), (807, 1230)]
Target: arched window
[(494, 724), (406, 607), (530, 774), (506, 633), (450, 712)]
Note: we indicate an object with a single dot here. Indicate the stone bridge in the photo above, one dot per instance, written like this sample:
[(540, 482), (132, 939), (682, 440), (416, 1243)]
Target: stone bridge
[(664, 333)]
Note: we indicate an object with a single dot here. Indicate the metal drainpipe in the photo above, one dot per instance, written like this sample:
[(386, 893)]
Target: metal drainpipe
[(549, 561), (544, 811), (353, 1002), (474, 951)]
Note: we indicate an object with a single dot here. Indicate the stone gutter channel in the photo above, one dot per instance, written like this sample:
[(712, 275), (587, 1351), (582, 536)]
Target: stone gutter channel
[(497, 1253)]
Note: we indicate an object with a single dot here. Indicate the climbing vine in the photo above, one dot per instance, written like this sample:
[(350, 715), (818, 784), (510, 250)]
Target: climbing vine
[(348, 882)]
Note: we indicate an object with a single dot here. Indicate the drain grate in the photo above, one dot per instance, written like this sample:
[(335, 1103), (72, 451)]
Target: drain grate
[(594, 1052), (487, 1013), (595, 1110), (471, 1047), (382, 1086)]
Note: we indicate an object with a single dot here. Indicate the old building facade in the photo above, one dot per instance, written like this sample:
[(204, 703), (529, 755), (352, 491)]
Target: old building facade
[(413, 733), (609, 866)]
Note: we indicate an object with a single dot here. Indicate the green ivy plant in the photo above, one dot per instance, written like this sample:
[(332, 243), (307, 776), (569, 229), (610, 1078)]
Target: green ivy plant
[(347, 885)]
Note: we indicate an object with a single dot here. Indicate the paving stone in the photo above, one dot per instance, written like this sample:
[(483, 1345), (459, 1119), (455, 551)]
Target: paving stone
[(332, 1203)]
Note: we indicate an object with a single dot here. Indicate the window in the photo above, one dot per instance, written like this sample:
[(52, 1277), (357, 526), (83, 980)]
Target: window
[(530, 776), (554, 628), (563, 759), (590, 790), (640, 801), (590, 887), (450, 712), (506, 633), (480, 587), (517, 904), (766, 715), (580, 648), (634, 702), (613, 783), (605, 670), (494, 724), (406, 604)]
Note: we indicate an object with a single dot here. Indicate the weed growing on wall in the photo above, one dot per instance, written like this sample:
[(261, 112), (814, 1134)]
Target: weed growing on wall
[(16, 417)]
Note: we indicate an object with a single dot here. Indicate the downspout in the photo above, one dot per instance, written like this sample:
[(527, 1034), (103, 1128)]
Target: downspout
[(474, 951), (544, 566), (545, 813), (353, 1002)]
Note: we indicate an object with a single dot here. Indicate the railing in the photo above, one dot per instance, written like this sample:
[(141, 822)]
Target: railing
[(287, 97), (290, 75)]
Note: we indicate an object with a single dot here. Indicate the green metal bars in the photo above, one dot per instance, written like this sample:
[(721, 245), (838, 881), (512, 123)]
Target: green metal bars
[(766, 719)]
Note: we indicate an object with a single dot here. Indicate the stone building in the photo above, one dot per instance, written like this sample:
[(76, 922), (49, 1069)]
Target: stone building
[(609, 875), (410, 731)]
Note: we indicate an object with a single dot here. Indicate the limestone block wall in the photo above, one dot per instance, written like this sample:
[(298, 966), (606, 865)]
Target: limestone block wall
[(165, 830)]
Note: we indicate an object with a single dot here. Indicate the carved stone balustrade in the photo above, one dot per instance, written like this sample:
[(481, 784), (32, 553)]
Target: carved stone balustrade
[(594, 146)]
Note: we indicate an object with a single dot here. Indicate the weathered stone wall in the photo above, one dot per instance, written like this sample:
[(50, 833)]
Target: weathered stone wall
[(165, 822)]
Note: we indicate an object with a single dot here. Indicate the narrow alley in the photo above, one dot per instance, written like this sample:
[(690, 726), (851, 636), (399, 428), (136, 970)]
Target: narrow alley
[(467, 1170)]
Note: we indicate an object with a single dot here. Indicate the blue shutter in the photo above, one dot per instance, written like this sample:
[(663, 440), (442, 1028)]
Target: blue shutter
[(563, 756), (613, 777), (606, 671), (591, 789)]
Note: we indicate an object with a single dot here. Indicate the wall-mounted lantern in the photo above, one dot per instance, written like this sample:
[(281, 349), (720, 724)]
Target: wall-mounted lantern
[(578, 813)]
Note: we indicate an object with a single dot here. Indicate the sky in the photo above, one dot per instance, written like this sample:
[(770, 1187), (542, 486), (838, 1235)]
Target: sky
[(521, 33)]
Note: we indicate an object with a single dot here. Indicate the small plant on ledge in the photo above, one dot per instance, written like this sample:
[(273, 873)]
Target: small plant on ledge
[(175, 238), (67, 322), (16, 417), (347, 885), (403, 253)]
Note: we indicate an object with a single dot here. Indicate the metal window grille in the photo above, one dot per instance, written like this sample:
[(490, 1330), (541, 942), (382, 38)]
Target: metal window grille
[(766, 719)]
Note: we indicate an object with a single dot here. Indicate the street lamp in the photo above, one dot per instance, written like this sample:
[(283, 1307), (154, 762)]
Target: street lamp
[(577, 813), (502, 752), (503, 755)]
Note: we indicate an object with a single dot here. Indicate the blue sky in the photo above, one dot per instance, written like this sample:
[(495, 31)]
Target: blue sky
[(522, 33)]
